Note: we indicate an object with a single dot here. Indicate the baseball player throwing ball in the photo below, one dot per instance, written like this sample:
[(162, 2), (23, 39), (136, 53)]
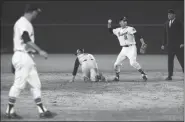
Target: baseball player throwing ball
[(126, 36), (89, 67), (23, 64)]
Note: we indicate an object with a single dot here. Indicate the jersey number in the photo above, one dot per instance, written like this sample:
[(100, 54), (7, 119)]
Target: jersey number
[(125, 35)]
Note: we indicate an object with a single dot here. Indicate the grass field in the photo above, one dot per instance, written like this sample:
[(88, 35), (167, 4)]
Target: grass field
[(128, 99)]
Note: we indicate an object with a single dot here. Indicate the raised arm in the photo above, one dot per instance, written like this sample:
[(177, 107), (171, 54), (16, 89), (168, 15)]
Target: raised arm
[(110, 26)]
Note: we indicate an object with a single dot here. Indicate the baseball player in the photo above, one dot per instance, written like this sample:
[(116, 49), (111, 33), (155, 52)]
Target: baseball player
[(89, 67), (126, 36), (23, 64)]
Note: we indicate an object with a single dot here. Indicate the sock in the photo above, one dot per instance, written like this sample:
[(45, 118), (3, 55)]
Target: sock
[(10, 107), (40, 106), (141, 71), (117, 75)]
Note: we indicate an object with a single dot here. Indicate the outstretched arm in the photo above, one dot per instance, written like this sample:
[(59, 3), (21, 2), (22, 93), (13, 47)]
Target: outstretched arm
[(76, 65)]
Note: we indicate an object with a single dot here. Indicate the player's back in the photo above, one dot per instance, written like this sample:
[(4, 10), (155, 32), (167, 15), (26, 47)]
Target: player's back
[(85, 57)]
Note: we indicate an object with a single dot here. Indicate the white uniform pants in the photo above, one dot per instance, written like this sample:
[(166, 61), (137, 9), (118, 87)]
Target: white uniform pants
[(130, 53), (90, 69), (25, 71)]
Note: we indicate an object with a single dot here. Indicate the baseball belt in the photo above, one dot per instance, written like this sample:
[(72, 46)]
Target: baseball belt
[(86, 60), (128, 45)]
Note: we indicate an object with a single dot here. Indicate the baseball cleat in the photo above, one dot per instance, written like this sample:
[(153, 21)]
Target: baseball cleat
[(47, 114), (144, 76), (116, 79), (12, 116)]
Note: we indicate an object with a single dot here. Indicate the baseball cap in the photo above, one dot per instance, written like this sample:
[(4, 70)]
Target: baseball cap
[(171, 11), (31, 8), (123, 19), (79, 50)]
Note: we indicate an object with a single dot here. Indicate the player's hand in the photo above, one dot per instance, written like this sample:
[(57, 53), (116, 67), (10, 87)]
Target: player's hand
[(44, 54), (109, 21), (162, 47), (182, 45)]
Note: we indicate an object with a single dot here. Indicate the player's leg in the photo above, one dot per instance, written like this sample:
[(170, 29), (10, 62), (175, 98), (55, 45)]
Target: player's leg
[(85, 72), (94, 74), (132, 55), (35, 83), (117, 65), (93, 66), (20, 78)]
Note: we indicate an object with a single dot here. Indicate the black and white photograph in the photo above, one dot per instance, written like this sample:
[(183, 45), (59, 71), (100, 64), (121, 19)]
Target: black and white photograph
[(91, 60)]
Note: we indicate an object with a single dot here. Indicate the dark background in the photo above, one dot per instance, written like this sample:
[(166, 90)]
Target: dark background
[(64, 26)]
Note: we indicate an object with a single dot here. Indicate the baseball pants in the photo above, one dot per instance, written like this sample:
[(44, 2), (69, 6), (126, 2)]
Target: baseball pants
[(90, 69), (130, 53), (25, 72)]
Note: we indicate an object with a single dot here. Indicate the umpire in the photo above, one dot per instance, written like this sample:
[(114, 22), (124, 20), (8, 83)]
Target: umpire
[(174, 40)]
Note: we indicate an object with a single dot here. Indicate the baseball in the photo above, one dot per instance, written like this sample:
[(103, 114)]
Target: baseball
[(109, 21)]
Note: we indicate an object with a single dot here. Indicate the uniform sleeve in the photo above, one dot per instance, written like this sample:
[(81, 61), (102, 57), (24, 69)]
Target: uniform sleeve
[(76, 65), (110, 30), (22, 26), (23, 31), (132, 30), (25, 37), (115, 31), (137, 35)]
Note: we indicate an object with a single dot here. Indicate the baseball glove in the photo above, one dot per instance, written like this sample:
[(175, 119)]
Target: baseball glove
[(143, 48)]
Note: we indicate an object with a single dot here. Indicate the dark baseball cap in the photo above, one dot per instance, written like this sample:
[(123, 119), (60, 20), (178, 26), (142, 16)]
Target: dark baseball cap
[(31, 8), (79, 50), (171, 11), (123, 19)]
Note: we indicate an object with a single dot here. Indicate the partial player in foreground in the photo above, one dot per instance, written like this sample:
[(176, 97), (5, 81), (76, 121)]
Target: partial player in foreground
[(24, 65), (89, 67), (126, 36)]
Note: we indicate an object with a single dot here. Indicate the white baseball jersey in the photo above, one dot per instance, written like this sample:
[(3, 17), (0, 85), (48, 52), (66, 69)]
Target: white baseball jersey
[(125, 35), (21, 25)]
